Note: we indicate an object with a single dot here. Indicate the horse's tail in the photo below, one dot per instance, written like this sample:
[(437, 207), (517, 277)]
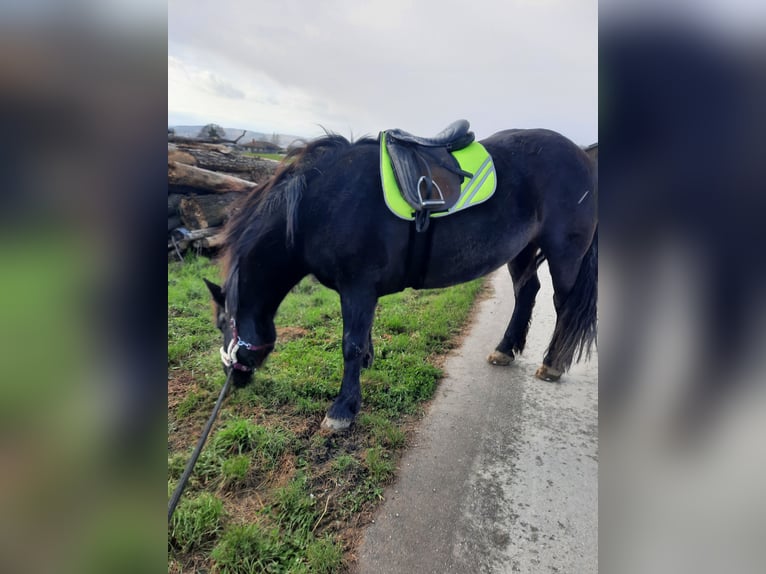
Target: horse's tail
[(580, 309)]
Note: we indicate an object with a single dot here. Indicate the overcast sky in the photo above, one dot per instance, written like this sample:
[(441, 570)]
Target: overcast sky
[(357, 67)]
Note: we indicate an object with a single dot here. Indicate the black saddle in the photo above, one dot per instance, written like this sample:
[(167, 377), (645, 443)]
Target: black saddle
[(428, 175), (454, 136)]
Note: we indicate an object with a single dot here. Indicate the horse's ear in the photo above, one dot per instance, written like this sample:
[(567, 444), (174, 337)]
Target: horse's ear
[(216, 292)]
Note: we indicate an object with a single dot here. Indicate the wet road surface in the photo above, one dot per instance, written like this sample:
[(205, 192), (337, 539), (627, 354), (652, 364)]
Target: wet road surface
[(502, 476)]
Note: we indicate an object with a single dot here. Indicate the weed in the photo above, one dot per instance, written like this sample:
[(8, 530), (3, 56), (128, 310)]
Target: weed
[(195, 522)]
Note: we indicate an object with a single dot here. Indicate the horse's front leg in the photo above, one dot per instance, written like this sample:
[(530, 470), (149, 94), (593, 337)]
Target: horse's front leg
[(369, 356), (358, 308)]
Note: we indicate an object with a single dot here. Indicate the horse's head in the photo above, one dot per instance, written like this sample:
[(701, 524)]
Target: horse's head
[(247, 341)]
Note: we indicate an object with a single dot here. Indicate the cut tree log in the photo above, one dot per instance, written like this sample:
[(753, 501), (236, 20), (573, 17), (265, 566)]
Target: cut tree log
[(223, 158), (187, 176), (213, 242), (196, 234), (174, 199), (181, 157), (181, 240), (173, 222), (201, 211)]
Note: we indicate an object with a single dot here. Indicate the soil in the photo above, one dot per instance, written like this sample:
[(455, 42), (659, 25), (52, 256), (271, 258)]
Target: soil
[(285, 334), (180, 383)]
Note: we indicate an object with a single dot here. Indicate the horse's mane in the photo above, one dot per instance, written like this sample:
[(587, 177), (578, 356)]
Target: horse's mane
[(283, 189)]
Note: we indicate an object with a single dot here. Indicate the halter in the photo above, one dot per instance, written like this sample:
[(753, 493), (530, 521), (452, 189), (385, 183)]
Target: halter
[(229, 356)]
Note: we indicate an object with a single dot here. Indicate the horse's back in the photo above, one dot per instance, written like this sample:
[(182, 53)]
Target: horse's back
[(527, 144), (552, 166), (556, 178)]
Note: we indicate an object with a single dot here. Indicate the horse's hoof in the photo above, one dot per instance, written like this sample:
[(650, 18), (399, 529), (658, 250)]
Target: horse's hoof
[(335, 425), (546, 373), (500, 359)]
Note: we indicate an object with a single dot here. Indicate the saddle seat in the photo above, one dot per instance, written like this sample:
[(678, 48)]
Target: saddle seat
[(455, 136), (428, 175)]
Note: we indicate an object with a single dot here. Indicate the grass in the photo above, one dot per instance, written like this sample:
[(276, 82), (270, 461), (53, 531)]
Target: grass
[(269, 492), (379, 468), (249, 548), (195, 522), (240, 435), (235, 468)]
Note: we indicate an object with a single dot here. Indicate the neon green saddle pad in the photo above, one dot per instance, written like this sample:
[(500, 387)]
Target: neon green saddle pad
[(473, 191)]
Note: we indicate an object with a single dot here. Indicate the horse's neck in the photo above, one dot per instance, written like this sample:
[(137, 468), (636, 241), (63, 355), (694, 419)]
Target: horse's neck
[(267, 292)]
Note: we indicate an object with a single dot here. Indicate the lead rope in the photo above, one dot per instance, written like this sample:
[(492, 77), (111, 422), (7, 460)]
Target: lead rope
[(195, 455)]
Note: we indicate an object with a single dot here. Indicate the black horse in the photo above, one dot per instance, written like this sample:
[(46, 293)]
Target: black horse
[(323, 213)]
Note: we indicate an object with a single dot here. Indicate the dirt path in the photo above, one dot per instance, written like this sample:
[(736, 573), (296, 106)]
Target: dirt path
[(503, 473)]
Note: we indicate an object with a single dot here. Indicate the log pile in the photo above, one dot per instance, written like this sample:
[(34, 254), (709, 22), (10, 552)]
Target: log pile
[(205, 183)]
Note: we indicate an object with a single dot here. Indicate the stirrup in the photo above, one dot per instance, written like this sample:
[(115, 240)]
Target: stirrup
[(430, 202)]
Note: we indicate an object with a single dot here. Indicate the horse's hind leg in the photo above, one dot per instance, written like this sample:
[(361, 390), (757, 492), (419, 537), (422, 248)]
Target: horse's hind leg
[(525, 287), (575, 281)]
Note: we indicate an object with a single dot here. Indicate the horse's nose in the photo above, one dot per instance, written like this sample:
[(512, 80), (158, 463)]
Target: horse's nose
[(241, 378), (251, 358)]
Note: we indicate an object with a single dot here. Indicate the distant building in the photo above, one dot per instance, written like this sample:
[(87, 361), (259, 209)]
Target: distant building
[(262, 147)]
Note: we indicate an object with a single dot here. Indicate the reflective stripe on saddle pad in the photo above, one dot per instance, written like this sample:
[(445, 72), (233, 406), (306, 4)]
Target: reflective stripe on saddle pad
[(474, 190)]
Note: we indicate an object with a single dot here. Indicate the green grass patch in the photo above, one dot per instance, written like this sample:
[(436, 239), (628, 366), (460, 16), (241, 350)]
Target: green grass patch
[(324, 556), (287, 544), (299, 489), (235, 468), (382, 430), (196, 522), (377, 462), (250, 549), (189, 404), (296, 508), (344, 464), (176, 464), (241, 435)]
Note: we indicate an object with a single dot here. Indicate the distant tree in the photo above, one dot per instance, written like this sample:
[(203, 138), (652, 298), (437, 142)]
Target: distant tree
[(212, 132), (171, 132), (275, 138)]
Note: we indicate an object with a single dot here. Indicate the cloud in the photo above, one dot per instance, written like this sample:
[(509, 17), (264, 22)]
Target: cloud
[(219, 87), (394, 63), (205, 80)]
